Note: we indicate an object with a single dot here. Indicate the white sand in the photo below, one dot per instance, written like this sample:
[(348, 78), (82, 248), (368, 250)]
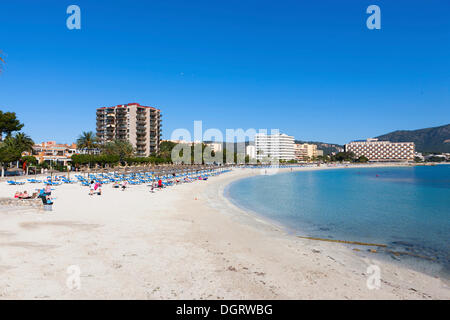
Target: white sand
[(184, 242)]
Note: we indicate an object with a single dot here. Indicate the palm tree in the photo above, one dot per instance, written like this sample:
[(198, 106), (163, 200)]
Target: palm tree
[(12, 147), (87, 140), (23, 142), (20, 142)]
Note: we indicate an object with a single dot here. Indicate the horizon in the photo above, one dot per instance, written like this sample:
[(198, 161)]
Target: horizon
[(312, 70)]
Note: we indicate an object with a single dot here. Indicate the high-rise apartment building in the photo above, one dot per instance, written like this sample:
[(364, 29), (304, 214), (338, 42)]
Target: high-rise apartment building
[(250, 151), (140, 125), (274, 146), (375, 150)]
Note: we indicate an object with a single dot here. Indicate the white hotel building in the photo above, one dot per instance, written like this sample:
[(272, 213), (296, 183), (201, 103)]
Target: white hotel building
[(274, 146), (375, 150)]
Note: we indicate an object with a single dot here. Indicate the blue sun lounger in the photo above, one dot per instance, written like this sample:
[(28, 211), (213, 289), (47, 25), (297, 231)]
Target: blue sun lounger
[(15, 183)]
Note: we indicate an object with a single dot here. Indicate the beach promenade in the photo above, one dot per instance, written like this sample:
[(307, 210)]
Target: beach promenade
[(183, 242)]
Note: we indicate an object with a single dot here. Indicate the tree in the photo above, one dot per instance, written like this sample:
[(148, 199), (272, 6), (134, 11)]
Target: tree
[(121, 148), (12, 147), (23, 142), (362, 159), (30, 160), (165, 148), (343, 156), (87, 140), (9, 123)]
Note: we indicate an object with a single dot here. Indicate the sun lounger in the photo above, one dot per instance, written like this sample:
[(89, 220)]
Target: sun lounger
[(15, 183)]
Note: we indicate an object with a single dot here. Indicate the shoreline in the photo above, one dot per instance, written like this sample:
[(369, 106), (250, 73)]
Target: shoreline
[(184, 242), (422, 265)]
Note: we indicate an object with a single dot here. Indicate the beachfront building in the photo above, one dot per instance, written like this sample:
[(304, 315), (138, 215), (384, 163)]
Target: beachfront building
[(53, 153), (375, 150), (274, 146), (140, 125), (250, 151), (307, 151), (215, 146)]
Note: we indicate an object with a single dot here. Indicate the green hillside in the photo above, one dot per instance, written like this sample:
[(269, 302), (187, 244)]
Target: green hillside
[(435, 139)]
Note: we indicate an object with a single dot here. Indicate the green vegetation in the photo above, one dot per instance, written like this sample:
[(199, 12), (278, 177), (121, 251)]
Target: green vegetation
[(12, 146), (30, 160), (362, 159), (165, 149), (435, 159), (121, 149), (87, 140), (112, 160), (343, 156), (114, 153), (9, 123)]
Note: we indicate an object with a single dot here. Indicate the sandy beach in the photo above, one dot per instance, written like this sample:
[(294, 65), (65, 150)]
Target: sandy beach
[(184, 242)]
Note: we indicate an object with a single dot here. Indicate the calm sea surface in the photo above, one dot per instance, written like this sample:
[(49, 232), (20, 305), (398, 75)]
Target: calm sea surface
[(408, 209)]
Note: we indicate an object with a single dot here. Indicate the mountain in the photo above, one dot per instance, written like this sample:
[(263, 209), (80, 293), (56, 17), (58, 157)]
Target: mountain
[(436, 139), (327, 148)]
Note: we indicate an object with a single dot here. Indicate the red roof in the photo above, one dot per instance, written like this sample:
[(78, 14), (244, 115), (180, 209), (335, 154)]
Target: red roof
[(129, 104)]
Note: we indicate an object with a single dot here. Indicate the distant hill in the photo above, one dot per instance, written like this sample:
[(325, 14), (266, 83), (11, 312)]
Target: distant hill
[(328, 148), (435, 139)]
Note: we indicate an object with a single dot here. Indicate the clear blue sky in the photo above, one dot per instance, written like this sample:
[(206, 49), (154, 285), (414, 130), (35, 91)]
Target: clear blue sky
[(310, 68)]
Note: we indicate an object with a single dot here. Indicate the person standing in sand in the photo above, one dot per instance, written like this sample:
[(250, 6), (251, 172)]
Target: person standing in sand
[(91, 188)]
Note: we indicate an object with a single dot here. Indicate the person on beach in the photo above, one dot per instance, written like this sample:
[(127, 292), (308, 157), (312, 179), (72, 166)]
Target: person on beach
[(91, 188), (46, 199), (17, 194), (98, 188), (48, 189), (124, 185), (24, 195), (160, 184)]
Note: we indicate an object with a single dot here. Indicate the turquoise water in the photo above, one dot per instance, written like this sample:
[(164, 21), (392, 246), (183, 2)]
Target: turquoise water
[(407, 209)]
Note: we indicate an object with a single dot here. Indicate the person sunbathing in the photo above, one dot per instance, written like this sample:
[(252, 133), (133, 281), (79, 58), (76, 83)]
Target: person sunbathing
[(24, 195), (48, 189)]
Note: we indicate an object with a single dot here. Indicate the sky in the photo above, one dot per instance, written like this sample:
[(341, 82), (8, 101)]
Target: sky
[(311, 69)]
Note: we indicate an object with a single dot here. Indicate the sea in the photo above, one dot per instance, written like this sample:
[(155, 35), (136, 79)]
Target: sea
[(405, 208)]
